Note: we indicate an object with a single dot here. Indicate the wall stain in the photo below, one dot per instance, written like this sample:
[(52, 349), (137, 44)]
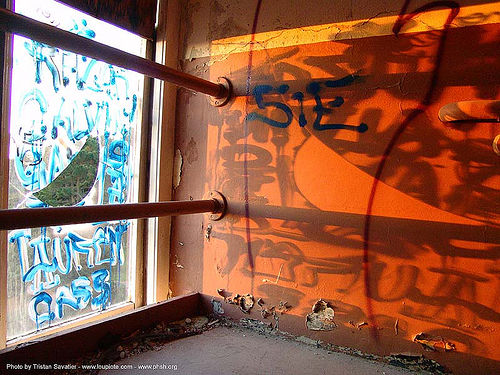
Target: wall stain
[(191, 151)]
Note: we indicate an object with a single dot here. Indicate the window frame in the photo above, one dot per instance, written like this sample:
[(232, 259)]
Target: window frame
[(164, 97), (152, 239), (4, 170)]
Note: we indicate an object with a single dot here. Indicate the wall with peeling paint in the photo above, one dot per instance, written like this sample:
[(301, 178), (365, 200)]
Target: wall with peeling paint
[(357, 217)]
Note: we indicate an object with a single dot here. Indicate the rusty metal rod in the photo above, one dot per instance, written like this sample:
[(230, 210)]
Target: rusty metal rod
[(27, 27), (43, 217)]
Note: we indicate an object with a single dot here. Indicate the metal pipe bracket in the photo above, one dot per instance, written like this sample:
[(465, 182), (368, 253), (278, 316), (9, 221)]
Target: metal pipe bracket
[(221, 205), (226, 93)]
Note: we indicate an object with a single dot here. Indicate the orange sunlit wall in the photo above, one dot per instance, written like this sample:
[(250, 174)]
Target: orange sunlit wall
[(344, 184)]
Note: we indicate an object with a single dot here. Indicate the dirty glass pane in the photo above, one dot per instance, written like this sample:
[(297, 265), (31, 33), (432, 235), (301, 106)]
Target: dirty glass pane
[(73, 131)]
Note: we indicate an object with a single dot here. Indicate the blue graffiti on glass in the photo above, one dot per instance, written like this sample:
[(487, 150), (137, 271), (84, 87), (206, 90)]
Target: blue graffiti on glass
[(100, 279), (77, 296), (35, 314), (72, 97), (41, 54), (53, 257)]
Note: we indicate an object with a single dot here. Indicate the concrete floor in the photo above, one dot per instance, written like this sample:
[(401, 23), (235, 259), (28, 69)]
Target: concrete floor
[(240, 351)]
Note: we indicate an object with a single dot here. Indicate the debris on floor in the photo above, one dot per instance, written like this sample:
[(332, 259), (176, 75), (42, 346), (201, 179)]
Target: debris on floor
[(143, 340), (117, 347), (267, 312), (155, 338), (213, 322), (255, 325), (410, 361), (274, 311), (309, 341), (197, 323), (433, 343), (276, 321), (321, 317), (417, 363)]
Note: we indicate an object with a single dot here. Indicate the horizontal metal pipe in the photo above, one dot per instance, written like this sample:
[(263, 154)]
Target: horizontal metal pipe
[(43, 217), (27, 27)]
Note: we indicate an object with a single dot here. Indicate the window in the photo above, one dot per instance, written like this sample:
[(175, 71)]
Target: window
[(74, 139)]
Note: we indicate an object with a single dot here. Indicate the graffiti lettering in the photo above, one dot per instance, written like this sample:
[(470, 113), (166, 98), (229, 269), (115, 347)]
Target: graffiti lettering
[(105, 247), (258, 93), (319, 109), (77, 297), (67, 99)]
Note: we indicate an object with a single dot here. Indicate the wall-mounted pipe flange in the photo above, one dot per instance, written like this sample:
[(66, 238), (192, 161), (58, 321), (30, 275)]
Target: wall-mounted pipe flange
[(228, 93), (471, 110), (496, 145), (221, 204)]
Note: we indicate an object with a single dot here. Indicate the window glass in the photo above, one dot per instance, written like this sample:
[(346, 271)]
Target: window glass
[(73, 130)]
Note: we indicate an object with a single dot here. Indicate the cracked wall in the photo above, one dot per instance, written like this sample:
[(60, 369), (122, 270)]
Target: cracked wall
[(344, 185)]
